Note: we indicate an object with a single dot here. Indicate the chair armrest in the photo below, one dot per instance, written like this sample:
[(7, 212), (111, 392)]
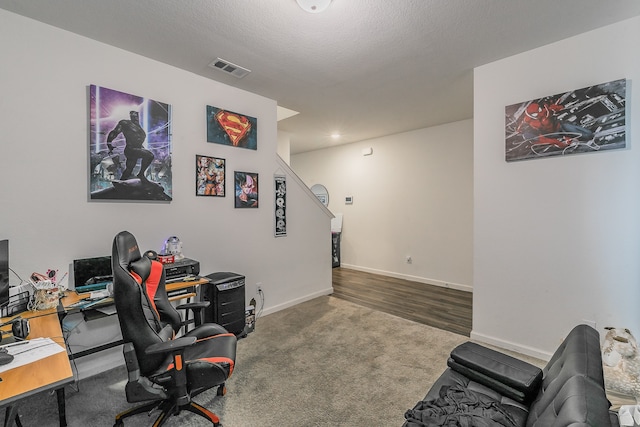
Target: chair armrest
[(507, 375), (171, 346), (194, 305), (196, 308)]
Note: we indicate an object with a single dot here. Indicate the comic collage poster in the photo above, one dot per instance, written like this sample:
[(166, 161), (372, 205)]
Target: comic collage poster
[(584, 120), (129, 147), (210, 176)]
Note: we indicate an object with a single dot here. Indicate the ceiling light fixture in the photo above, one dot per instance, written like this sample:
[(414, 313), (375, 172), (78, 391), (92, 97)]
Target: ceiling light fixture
[(313, 6)]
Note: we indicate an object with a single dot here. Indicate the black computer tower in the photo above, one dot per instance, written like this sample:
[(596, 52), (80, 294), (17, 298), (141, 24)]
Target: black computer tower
[(225, 292)]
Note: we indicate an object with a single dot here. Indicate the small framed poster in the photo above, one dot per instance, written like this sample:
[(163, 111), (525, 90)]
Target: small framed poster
[(246, 188), (210, 176)]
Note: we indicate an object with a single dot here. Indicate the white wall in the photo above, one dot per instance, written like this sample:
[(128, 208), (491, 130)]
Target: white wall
[(284, 146), (556, 240), (411, 197), (46, 213)]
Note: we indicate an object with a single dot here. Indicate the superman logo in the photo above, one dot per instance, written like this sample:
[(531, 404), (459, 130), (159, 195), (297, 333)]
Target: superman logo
[(235, 125)]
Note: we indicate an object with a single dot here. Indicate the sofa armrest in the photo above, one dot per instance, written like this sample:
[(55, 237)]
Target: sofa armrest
[(507, 375)]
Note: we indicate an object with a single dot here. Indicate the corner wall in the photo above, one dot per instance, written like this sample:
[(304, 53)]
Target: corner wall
[(411, 197), (46, 214), (556, 240)]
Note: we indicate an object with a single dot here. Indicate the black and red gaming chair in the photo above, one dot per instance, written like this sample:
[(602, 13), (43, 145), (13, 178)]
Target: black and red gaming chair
[(165, 371)]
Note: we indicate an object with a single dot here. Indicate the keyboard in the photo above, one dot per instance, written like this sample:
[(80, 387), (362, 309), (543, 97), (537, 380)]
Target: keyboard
[(92, 288), (99, 294)]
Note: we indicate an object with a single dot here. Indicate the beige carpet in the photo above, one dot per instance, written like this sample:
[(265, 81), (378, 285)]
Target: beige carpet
[(326, 362)]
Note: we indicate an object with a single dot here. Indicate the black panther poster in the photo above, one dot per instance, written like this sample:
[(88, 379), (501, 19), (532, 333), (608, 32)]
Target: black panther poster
[(129, 147)]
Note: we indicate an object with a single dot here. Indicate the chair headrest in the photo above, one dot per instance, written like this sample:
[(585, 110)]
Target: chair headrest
[(125, 249), (141, 267)]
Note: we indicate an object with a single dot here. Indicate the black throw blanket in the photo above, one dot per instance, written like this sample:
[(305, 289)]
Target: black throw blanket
[(459, 407)]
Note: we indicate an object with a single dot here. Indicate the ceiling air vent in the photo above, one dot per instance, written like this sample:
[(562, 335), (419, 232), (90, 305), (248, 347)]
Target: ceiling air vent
[(229, 68)]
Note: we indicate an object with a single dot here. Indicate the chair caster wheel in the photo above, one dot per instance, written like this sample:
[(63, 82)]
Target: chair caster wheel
[(222, 390)]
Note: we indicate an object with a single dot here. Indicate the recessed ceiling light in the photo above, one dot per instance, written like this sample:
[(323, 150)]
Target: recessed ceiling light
[(313, 6), (335, 135)]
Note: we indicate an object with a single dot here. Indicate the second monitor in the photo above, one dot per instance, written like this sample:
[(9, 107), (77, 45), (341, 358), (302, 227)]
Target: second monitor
[(92, 274)]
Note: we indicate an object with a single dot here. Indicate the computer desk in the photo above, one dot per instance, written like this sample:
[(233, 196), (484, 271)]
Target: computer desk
[(54, 372), (176, 291), (50, 373)]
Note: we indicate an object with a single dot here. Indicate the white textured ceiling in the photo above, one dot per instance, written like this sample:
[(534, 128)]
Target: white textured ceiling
[(364, 68)]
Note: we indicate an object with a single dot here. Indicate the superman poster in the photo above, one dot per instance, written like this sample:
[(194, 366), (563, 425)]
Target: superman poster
[(229, 128), (129, 147), (583, 120)]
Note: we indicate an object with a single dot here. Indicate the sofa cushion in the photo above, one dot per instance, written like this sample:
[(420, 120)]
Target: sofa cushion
[(579, 352), (580, 402), (577, 357), (449, 378), (511, 377)]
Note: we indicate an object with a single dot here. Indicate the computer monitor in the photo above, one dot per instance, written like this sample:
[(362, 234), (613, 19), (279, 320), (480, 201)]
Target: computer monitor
[(4, 273), (92, 274)]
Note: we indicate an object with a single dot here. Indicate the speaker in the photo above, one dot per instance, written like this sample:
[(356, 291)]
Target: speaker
[(225, 292), (20, 327)]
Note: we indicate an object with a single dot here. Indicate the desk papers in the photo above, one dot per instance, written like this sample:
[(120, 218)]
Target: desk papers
[(29, 351)]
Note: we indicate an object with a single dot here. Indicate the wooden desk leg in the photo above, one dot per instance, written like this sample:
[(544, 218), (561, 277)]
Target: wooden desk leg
[(62, 414), (11, 415)]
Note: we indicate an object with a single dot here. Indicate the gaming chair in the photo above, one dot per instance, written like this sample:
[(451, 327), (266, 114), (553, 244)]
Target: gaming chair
[(164, 371)]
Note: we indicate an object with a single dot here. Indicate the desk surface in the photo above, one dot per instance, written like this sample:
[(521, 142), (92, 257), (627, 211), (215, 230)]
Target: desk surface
[(52, 372), (174, 286), (45, 374), (72, 297)]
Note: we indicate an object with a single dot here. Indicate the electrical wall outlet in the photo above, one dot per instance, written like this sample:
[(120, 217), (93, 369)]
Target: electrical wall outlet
[(258, 287)]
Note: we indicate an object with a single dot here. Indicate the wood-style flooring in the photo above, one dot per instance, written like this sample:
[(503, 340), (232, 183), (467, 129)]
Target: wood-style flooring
[(443, 308)]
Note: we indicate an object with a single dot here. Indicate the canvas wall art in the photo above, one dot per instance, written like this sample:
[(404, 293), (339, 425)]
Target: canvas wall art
[(246, 188), (210, 176), (130, 146), (280, 205), (584, 120), (229, 128)]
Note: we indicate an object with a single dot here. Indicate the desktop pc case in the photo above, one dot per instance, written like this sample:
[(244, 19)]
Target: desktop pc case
[(225, 292)]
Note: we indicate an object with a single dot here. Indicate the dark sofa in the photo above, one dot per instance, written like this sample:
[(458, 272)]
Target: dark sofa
[(483, 387)]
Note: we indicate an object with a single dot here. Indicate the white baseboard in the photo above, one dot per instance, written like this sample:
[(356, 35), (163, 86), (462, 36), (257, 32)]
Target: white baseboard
[(507, 345), (296, 301), (458, 286)]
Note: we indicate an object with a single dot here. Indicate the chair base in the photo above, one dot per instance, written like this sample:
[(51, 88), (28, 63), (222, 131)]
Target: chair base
[(167, 409)]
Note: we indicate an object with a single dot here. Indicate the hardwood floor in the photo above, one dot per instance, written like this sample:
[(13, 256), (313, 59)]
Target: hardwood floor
[(444, 308)]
